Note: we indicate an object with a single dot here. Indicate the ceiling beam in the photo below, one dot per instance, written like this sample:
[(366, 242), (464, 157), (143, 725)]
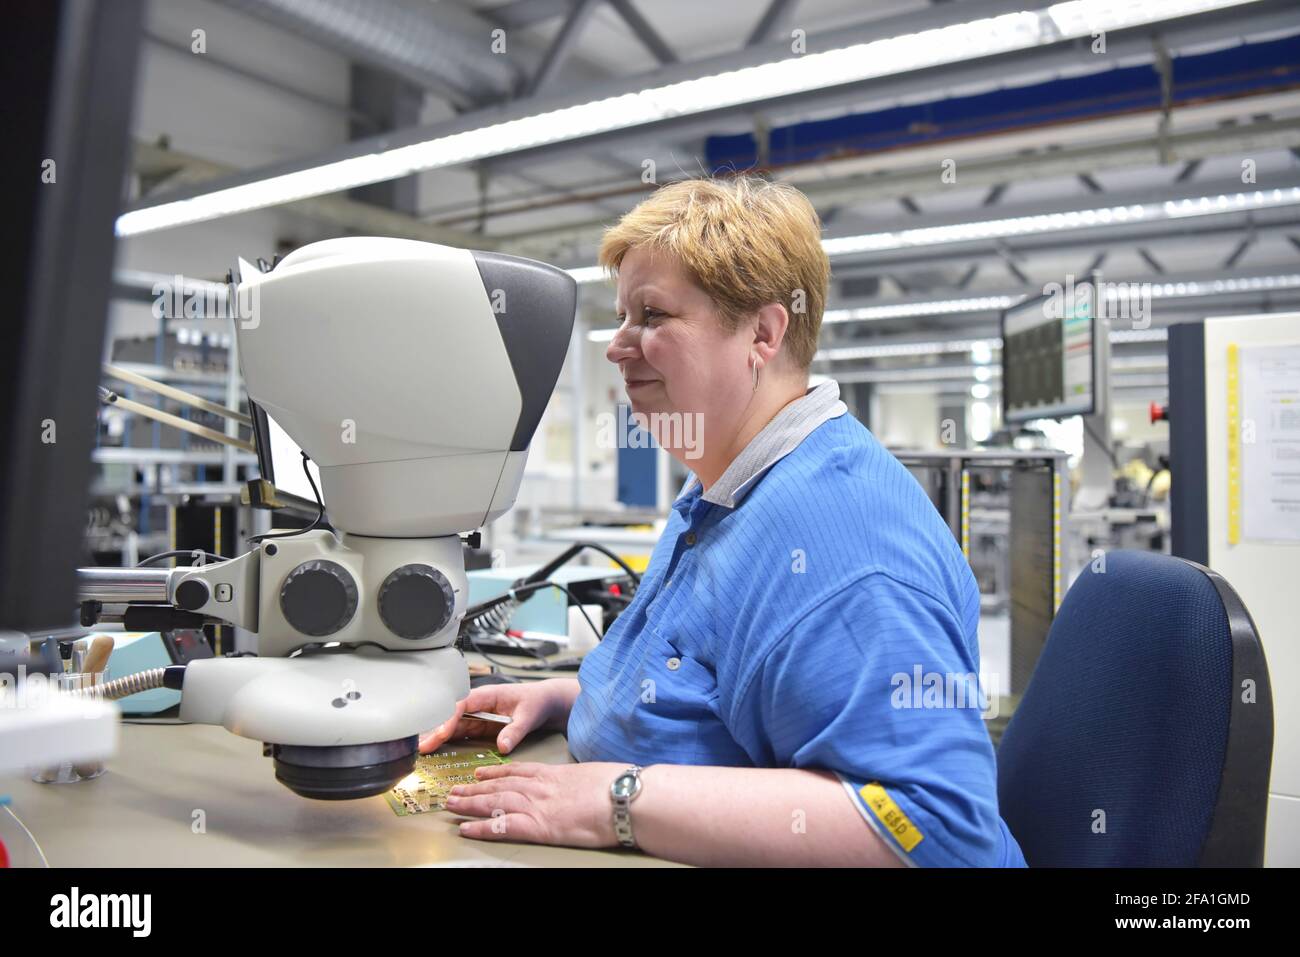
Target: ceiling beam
[(642, 30), (910, 176), (772, 19), (563, 45)]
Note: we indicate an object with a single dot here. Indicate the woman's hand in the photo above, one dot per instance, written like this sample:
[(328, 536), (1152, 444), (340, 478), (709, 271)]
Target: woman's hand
[(566, 804), (530, 705)]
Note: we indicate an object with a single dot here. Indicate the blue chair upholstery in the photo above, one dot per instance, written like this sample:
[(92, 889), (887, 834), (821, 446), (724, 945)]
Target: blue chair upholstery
[(1137, 742)]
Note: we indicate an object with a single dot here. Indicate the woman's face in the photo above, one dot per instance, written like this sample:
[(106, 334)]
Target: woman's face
[(671, 347)]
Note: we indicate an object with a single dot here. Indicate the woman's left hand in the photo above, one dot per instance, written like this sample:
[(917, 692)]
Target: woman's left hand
[(564, 804)]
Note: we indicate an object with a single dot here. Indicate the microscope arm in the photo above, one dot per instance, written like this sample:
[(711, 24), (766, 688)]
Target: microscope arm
[(226, 591)]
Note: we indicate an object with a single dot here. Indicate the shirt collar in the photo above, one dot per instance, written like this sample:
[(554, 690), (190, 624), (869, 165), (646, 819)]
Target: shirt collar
[(775, 441)]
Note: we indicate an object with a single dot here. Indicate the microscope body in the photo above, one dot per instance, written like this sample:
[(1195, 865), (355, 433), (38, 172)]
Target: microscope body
[(414, 376)]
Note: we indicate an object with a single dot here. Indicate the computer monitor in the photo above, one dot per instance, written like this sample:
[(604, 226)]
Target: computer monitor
[(1048, 361)]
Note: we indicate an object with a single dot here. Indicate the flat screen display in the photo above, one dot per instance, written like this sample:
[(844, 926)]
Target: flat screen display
[(1048, 366)]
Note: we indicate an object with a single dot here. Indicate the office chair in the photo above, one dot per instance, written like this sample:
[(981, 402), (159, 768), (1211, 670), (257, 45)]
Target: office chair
[(1145, 735)]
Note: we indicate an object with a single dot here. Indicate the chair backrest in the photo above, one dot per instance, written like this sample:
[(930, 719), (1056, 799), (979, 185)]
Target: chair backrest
[(1145, 734)]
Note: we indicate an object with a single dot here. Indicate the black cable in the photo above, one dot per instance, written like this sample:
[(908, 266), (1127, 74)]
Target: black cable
[(538, 579), (545, 665), (473, 640), (483, 608), (318, 522), (582, 611), (636, 579), (180, 553)]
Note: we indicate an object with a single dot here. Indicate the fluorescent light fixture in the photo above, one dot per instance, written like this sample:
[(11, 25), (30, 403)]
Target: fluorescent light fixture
[(988, 36), (1218, 287), (1139, 335), (1034, 225), (1114, 292), (910, 374), (981, 349), (900, 349), (902, 310), (1058, 222)]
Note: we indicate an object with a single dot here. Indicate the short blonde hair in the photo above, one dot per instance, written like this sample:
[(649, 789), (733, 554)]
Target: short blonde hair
[(745, 241)]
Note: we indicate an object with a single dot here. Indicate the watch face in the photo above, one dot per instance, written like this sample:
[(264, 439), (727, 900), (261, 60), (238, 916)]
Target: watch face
[(623, 786)]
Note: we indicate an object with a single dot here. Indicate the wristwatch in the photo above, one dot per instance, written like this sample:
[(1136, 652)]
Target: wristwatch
[(623, 792)]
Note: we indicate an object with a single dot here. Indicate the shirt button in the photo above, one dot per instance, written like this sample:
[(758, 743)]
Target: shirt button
[(690, 538), (674, 664)]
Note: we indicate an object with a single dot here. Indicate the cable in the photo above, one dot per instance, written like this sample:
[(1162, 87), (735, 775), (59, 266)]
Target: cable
[(181, 553), (318, 522), (498, 611), (30, 836), (582, 611), (636, 579), (472, 633), (493, 660), (491, 619)]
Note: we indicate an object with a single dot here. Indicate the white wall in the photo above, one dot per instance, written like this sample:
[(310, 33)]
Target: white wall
[(217, 115), (908, 419), (222, 116)]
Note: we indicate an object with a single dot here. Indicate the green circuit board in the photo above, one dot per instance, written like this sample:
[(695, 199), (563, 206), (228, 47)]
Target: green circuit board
[(425, 788)]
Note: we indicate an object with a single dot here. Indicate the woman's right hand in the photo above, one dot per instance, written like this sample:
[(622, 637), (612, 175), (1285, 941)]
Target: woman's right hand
[(529, 705)]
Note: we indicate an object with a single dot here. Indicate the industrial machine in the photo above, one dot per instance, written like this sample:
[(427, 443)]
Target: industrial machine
[(413, 376)]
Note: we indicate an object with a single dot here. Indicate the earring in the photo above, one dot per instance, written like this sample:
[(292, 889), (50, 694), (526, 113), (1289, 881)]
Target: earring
[(754, 364)]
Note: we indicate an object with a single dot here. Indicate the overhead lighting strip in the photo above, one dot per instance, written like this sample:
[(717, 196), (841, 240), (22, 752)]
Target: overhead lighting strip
[(1033, 225), (888, 56)]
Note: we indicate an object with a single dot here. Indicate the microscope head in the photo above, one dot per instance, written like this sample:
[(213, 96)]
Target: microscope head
[(412, 374)]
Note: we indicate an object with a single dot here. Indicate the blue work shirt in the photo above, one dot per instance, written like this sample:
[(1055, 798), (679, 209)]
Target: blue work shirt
[(811, 610)]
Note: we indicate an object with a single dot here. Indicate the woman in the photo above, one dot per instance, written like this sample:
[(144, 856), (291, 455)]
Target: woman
[(779, 690)]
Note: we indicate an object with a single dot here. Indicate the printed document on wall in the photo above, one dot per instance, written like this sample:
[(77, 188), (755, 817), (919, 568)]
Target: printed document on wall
[(1270, 442)]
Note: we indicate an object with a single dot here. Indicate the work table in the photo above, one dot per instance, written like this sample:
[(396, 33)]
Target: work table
[(146, 810)]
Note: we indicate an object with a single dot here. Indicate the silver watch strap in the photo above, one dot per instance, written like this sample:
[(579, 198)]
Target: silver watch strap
[(622, 800)]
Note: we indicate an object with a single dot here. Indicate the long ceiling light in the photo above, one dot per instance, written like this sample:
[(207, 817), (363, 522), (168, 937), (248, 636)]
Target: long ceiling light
[(1029, 225), (903, 310), (898, 350), (1115, 291), (1057, 222), (988, 36)]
